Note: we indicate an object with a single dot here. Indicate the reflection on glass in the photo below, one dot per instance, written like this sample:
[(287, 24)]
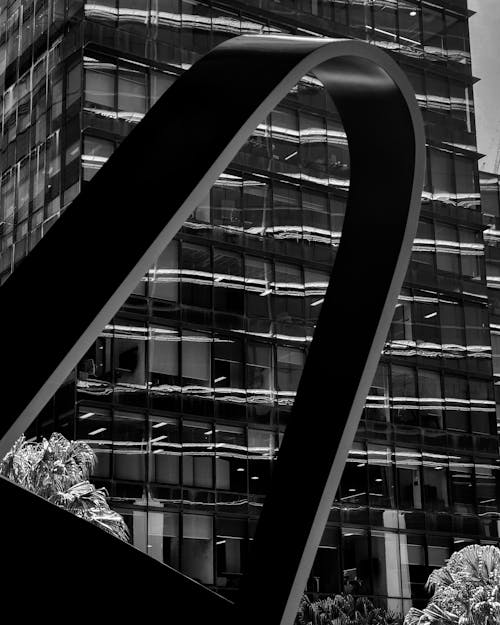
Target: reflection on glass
[(197, 547)]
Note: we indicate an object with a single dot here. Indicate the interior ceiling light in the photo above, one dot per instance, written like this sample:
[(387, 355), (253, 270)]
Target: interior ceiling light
[(413, 13)]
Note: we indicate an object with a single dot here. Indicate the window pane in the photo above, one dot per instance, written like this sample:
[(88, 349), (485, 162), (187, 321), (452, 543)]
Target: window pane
[(408, 463), (164, 276), (129, 445), (131, 94), (198, 547), (165, 451), (431, 400), (404, 395), (164, 357), (196, 359), (100, 88)]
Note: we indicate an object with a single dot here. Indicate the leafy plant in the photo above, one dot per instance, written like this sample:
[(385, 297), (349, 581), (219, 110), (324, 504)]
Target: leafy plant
[(58, 470), (466, 590), (344, 609)]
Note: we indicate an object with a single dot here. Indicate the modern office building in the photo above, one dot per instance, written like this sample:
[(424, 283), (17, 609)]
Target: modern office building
[(186, 394)]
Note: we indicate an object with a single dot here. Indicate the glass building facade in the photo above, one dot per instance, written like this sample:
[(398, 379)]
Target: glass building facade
[(187, 392)]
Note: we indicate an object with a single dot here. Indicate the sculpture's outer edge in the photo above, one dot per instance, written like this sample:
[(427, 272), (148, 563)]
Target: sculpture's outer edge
[(90, 261)]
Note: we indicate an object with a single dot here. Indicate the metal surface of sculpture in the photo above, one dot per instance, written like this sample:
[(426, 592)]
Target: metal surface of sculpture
[(116, 228)]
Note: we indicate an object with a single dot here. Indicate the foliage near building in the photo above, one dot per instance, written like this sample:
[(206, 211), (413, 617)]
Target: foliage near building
[(466, 590), (344, 609), (58, 470)]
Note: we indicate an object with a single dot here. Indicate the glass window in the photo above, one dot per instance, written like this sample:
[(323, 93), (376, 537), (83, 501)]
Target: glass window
[(165, 451), (197, 454), (96, 152), (461, 484), (482, 407), (131, 94), (452, 329), (457, 403), (316, 217), (380, 476), (159, 84), (438, 550), (100, 87), (287, 214), (164, 357), (196, 359), (426, 323), (401, 328), (313, 144), (404, 395), (353, 485), (477, 331), (57, 97), (285, 140), (290, 363), (324, 575), (431, 399), (73, 85), (129, 355), (315, 285), (196, 27), (448, 248), (360, 18), (409, 23), (377, 403), (228, 282), (231, 460), (228, 369), (257, 208), (129, 446), (163, 537), (93, 427), (472, 253), (490, 199), (433, 32), (164, 277), (288, 297), (356, 561), (442, 172), (198, 547), (260, 455), (413, 570), (435, 474), (385, 19), (258, 287), (467, 192), (259, 373), (197, 277), (457, 40), (424, 246), (386, 565), (487, 476), (231, 551), (339, 163), (225, 201), (408, 465), (438, 94)]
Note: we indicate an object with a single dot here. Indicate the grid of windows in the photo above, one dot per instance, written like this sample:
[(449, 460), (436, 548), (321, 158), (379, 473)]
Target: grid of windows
[(186, 394)]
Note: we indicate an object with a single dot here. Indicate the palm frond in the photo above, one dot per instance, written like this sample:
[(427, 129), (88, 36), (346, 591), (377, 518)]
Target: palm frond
[(57, 470)]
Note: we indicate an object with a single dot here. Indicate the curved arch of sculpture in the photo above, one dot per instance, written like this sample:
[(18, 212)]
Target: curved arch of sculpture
[(60, 297)]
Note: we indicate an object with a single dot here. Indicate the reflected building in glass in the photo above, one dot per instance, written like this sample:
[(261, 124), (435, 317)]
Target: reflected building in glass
[(187, 392)]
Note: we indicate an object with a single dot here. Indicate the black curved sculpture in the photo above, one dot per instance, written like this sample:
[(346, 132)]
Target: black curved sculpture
[(89, 262)]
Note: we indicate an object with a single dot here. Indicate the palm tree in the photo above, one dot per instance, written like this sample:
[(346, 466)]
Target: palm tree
[(58, 470), (466, 590)]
